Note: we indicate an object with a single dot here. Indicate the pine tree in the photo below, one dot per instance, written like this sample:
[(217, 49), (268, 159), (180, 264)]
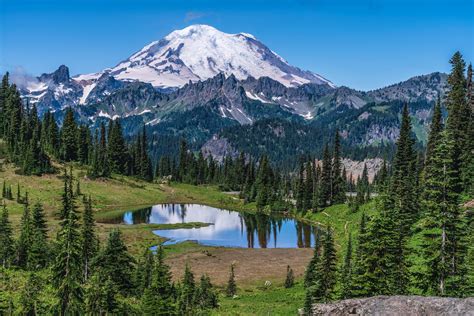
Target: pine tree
[(206, 297), (231, 288), (103, 166), (90, 243), (38, 219), (115, 262), (300, 189), (117, 151), (436, 128), (100, 296), (24, 241), (69, 137), (442, 223), (30, 296), (290, 277), (338, 195), (38, 255), (311, 275), (346, 273), (144, 271), (327, 268), (187, 291), (358, 287), (263, 183), (158, 297), (6, 239), (326, 179), (67, 271)]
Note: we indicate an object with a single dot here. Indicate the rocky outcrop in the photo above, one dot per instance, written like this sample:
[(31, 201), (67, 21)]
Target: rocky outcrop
[(398, 305), (218, 148)]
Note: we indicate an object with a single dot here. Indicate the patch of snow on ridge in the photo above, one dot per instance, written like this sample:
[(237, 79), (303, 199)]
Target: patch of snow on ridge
[(307, 116), (85, 93), (255, 97)]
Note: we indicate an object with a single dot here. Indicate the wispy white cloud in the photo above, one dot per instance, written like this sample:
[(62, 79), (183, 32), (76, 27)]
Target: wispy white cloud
[(194, 15)]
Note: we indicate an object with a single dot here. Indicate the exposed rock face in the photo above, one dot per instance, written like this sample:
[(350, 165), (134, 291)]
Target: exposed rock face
[(219, 148), (398, 305)]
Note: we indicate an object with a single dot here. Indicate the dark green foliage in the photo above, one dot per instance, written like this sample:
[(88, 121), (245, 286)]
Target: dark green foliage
[(25, 239), (231, 288), (338, 194), (30, 296), (442, 223), (325, 190), (206, 296), (6, 239), (90, 243), (117, 150), (69, 137), (187, 290), (67, 266), (290, 277), (320, 278), (115, 262), (346, 279), (38, 255), (101, 296)]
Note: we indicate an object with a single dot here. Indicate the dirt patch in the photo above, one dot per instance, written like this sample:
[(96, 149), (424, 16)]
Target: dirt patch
[(251, 265)]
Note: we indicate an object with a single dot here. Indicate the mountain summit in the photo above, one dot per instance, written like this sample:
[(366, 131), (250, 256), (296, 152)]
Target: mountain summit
[(200, 52)]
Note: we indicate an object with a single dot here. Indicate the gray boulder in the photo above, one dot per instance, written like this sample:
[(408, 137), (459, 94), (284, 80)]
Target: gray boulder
[(398, 305)]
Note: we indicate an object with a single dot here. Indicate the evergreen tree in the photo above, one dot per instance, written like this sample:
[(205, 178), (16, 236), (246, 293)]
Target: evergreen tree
[(38, 255), (263, 183), (327, 269), (346, 273), (67, 271), (206, 297), (117, 151), (90, 243), (186, 300), (442, 224), (69, 137), (30, 296), (326, 180), (300, 189), (290, 277), (38, 220), (436, 128), (358, 289), (231, 288), (115, 262), (100, 296), (24, 240), (338, 195), (6, 239)]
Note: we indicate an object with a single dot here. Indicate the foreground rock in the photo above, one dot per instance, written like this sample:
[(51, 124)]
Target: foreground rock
[(398, 305)]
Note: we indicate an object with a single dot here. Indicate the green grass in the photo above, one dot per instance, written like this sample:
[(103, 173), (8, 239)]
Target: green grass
[(275, 300), (341, 219)]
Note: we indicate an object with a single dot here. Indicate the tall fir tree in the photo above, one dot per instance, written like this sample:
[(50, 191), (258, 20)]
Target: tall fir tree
[(115, 262), (67, 266), (6, 239), (325, 190), (69, 137), (89, 241), (338, 195), (345, 279)]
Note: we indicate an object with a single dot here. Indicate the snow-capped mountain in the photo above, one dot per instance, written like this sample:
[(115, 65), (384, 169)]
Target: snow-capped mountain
[(200, 52)]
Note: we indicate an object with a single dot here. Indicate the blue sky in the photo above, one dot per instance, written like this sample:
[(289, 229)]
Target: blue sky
[(363, 44)]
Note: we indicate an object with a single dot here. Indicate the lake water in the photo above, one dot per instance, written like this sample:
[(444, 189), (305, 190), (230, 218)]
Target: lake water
[(228, 228)]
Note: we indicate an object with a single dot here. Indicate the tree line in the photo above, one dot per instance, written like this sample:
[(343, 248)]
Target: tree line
[(73, 274), (419, 241), (31, 143)]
